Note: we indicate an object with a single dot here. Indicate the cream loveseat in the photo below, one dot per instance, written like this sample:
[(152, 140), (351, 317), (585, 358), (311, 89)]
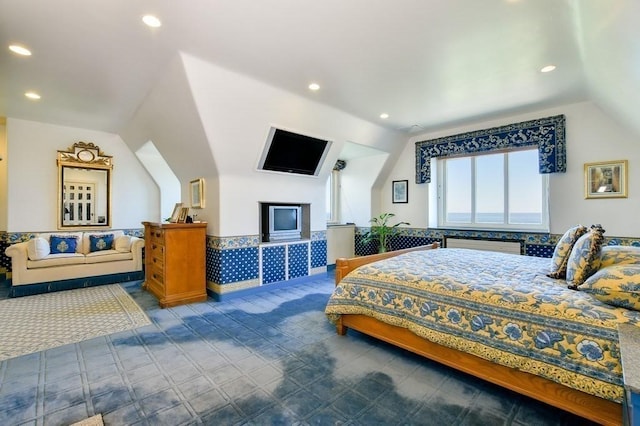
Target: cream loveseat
[(63, 260)]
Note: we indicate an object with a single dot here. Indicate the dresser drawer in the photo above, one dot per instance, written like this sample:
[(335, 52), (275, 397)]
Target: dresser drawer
[(156, 236), (156, 259), (155, 274)]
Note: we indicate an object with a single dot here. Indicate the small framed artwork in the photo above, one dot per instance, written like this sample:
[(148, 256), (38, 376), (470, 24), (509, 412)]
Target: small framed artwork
[(605, 180), (400, 191), (184, 212), (176, 213), (196, 188)]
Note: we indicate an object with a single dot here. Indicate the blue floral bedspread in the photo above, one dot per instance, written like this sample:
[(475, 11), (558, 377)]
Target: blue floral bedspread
[(500, 307)]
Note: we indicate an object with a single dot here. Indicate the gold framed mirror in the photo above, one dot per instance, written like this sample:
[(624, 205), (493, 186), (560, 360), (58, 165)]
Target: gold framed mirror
[(84, 187)]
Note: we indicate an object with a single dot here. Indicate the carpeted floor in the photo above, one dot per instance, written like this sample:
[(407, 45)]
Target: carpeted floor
[(268, 359), (36, 323)]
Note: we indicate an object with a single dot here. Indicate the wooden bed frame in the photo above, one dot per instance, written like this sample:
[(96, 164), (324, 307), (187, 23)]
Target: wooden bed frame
[(591, 407)]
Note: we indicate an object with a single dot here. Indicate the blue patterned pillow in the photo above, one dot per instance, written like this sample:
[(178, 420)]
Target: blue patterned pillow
[(617, 285), (584, 259), (60, 244), (619, 255), (100, 242), (563, 250)]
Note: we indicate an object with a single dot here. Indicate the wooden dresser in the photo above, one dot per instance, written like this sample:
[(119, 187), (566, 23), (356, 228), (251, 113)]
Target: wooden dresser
[(175, 258)]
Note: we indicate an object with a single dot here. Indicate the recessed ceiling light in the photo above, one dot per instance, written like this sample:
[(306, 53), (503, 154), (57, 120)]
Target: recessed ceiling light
[(151, 21), (32, 95), (384, 115), (314, 86), (548, 68), (20, 50)]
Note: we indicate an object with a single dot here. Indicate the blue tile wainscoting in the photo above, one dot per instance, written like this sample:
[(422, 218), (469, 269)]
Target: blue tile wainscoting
[(237, 266), (532, 244), (240, 265)]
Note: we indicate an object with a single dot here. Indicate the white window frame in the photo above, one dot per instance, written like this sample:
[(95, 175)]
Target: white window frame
[(334, 197), (440, 183)]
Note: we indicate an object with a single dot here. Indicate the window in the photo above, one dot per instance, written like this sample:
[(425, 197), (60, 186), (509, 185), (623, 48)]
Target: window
[(493, 191)]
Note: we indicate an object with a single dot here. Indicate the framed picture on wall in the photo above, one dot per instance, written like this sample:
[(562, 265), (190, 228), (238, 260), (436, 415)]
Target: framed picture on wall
[(400, 191), (196, 188), (605, 180)]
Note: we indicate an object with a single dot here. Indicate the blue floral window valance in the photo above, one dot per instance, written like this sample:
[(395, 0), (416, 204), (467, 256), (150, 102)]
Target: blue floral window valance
[(548, 134)]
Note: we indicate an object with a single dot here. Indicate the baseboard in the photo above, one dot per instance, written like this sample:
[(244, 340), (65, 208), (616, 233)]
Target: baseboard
[(47, 287), (259, 289)]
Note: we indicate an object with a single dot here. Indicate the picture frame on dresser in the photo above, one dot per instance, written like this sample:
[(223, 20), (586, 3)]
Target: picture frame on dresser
[(176, 213), (184, 212)]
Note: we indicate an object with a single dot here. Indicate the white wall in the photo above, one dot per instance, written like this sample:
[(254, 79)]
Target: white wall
[(3, 174), (356, 184), (591, 135), (32, 193), (236, 113)]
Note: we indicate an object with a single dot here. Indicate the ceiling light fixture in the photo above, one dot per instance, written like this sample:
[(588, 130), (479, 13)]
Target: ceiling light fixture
[(20, 50), (314, 86), (384, 115), (151, 21), (548, 68), (32, 95)]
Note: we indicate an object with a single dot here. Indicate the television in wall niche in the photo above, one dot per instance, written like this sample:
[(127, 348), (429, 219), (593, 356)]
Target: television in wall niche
[(281, 222), (289, 152)]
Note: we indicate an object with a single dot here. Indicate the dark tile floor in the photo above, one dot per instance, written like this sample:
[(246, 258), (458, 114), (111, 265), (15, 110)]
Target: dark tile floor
[(267, 359)]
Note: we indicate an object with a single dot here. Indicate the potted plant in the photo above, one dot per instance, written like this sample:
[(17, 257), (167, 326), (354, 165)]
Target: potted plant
[(380, 231)]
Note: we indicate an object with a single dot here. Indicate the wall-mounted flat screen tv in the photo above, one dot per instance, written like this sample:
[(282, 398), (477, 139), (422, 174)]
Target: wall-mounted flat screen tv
[(290, 152)]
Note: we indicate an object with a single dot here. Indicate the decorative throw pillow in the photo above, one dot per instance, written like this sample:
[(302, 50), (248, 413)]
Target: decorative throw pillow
[(123, 243), (563, 250), (617, 285), (62, 244), (38, 248), (584, 259), (100, 242), (619, 255)]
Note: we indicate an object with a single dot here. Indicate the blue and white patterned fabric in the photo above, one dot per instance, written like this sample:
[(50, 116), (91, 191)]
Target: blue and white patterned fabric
[(548, 134), (497, 306)]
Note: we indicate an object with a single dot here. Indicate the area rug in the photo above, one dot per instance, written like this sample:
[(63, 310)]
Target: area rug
[(35, 323), (91, 421)]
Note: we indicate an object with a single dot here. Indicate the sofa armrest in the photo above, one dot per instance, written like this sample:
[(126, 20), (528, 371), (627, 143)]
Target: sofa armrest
[(137, 244), (18, 254)]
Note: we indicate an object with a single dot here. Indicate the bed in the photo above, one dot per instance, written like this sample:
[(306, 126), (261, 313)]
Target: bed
[(496, 316)]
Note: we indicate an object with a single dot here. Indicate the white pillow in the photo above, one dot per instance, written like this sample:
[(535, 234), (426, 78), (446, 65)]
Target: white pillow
[(123, 243), (38, 248)]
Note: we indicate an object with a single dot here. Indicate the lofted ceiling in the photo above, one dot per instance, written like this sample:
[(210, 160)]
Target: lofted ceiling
[(428, 64)]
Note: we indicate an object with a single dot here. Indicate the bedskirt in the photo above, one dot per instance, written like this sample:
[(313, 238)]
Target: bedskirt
[(499, 307)]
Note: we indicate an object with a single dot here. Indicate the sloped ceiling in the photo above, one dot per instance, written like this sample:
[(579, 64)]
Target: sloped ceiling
[(427, 63)]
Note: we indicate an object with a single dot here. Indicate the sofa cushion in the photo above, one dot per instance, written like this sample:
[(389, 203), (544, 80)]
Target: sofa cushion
[(63, 244), (123, 243), (100, 242), (38, 248), (61, 259), (107, 256), (86, 240), (78, 235)]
